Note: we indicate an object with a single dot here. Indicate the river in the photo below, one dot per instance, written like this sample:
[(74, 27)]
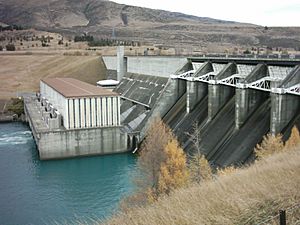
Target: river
[(57, 191)]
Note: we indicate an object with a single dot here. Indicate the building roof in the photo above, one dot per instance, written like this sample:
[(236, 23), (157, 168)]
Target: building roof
[(72, 88)]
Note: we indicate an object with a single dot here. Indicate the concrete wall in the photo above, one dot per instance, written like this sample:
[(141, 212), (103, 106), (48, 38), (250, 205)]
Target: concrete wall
[(111, 75), (157, 66), (56, 99), (148, 65), (80, 142), (110, 62)]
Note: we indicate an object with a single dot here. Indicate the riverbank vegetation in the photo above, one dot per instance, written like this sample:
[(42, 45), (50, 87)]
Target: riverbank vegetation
[(16, 106), (249, 195)]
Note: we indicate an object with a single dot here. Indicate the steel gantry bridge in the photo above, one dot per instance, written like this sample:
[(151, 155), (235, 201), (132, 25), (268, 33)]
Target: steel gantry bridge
[(279, 76)]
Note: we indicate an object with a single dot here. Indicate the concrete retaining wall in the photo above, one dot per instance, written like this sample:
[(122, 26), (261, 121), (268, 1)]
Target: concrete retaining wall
[(110, 62), (156, 66), (81, 142), (148, 65)]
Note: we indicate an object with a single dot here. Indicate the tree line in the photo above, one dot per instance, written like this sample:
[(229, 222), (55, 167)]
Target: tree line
[(92, 42), (11, 28)]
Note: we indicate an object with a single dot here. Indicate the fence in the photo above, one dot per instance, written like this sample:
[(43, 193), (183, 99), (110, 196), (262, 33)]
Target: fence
[(282, 216)]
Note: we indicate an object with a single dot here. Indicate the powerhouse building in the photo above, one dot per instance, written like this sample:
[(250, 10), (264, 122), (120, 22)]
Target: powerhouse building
[(71, 118), (80, 104)]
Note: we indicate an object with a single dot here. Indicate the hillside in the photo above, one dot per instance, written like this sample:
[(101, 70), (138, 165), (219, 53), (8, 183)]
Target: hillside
[(247, 196), (22, 73), (100, 17)]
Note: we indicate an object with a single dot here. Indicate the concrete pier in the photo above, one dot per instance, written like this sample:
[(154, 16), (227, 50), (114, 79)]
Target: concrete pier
[(196, 91), (284, 108), (219, 95), (248, 100), (121, 63)]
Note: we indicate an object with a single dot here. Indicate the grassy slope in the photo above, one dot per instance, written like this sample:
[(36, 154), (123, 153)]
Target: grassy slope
[(247, 196), (19, 73)]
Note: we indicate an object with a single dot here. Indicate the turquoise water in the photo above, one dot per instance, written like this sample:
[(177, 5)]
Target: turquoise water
[(60, 191)]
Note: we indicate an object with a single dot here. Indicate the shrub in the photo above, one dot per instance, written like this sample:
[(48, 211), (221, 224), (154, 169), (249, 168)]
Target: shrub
[(16, 106), (270, 145), (10, 47)]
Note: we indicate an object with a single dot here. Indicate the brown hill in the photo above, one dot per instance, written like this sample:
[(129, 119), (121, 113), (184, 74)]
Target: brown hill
[(100, 17), (22, 73)]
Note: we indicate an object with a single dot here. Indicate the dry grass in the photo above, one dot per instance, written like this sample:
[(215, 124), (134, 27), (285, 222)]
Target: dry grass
[(246, 196), (22, 73)]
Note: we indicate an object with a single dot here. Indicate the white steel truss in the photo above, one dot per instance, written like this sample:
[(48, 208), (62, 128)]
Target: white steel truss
[(184, 75), (206, 77), (263, 84), (294, 89), (232, 80)]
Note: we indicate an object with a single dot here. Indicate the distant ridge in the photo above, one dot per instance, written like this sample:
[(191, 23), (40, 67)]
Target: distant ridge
[(100, 17)]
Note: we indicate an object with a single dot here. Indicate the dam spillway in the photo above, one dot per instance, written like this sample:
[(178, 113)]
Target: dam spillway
[(233, 101)]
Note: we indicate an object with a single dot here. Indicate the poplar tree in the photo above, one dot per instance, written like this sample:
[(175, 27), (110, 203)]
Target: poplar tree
[(173, 172), (294, 139), (152, 154)]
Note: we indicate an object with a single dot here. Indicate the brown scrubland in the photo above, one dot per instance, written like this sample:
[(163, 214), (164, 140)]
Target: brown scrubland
[(253, 194), (22, 73)]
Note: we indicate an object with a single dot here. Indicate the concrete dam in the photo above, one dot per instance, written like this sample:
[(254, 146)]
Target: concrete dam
[(233, 101)]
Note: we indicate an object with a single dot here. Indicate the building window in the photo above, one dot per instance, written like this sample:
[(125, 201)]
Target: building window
[(68, 113), (107, 114), (112, 110), (84, 112), (96, 112), (117, 110), (79, 110), (91, 117), (74, 113), (101, 109)]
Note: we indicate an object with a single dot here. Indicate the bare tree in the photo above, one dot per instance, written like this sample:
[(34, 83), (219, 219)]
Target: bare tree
[(198, 165)]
